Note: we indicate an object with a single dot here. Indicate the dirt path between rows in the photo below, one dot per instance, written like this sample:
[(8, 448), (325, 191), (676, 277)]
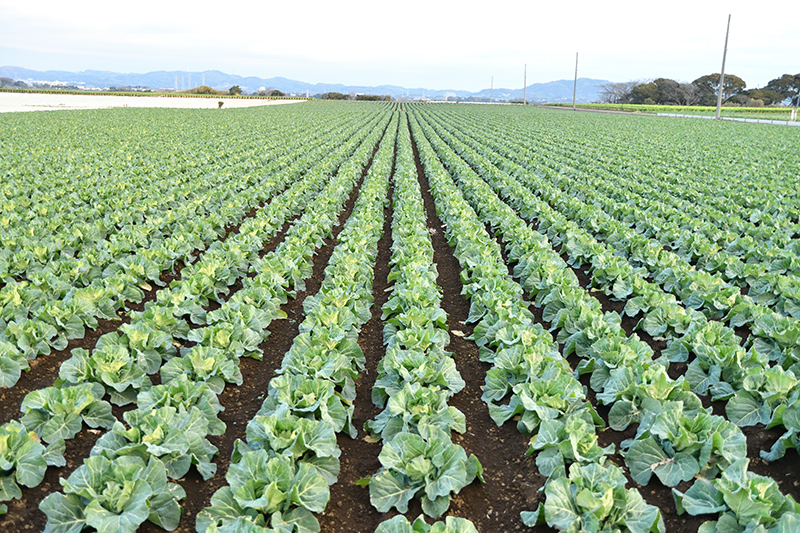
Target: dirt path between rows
[(512, 479)]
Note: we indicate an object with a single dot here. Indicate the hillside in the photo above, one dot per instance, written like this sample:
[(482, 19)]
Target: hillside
[(553, 91)]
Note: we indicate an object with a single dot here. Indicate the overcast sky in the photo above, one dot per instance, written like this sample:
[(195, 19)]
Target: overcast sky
[(416, 43)]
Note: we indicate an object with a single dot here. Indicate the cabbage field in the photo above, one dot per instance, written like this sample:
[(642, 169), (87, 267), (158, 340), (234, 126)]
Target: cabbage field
[(391, 317)]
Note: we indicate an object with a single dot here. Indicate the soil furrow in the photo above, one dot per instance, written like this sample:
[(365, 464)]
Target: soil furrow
[(247, 399), (44, 369), (512, 479), (243, 402), (349, 509), (25, 512)]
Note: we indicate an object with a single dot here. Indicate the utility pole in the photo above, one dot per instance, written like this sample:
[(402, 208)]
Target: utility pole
[(491, 90), (722, 72), (575, 85), (525, 86)]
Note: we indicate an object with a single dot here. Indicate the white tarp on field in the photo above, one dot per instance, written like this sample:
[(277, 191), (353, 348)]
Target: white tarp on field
[(48, 102)]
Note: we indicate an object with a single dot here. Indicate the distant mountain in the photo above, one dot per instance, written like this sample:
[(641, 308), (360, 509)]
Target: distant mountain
[(588, 90), (554, 91)]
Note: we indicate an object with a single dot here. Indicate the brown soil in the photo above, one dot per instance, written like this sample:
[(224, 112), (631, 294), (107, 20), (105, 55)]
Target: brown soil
[(243, 402), (512, 479), (785, 471), (44, 369), (349, 508)]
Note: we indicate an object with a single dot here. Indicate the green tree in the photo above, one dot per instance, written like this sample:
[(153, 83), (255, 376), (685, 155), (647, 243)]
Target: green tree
[(235, 90), (205, 89), (645, 93), (707, 86), (766, 95), (618, 93), (271, 92), (8, 82), (671, 92), (786, 87), (334, 96)]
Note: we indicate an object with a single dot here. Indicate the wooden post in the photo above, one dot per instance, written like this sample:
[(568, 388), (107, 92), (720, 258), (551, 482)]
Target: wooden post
[(525, 85), (722, 72), (575, 85)]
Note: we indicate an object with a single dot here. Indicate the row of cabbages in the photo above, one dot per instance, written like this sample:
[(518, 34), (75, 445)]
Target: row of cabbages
[(583, 490), (759, 379), (54, 286), (417, 376), (167, 432), (677, 439), (280, 476)]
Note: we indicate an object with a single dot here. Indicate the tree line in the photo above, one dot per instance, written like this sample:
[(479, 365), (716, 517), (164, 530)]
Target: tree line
[(703, 91), (354, 96)]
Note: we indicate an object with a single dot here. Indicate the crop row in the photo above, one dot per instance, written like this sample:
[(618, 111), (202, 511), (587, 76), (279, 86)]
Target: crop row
[(587, 331), (120, 364), (758, 393), (416, 377), (280, 475), (527, 366), (39, 315)]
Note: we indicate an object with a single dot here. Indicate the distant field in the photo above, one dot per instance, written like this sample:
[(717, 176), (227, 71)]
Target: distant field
[(327, 314), (769, 113)]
